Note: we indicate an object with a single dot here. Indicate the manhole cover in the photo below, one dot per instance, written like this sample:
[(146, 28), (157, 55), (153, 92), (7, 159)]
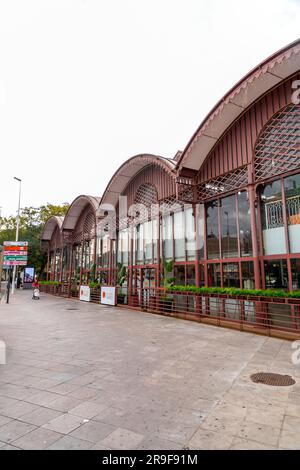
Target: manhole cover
[(72, 309), (269, 378)]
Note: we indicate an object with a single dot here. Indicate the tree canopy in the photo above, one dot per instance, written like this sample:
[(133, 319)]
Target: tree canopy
[(32, 220)]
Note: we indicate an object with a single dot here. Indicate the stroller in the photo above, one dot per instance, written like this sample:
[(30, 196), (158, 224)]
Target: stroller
[(36, 291)]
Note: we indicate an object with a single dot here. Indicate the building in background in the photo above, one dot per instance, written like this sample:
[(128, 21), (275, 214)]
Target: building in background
[(226, 210)]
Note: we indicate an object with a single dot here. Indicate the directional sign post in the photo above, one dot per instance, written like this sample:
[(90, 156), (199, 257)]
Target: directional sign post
[(14, 254)]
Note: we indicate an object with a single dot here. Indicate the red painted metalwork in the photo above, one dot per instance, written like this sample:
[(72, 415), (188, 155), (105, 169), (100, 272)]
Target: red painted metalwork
[(240, 159)]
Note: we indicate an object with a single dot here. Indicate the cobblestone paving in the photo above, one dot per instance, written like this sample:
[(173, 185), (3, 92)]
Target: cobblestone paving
[(110, 378)]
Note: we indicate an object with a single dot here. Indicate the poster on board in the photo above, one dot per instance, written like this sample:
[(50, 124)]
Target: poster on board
[(28, 275), (108, 295), (85, 293)]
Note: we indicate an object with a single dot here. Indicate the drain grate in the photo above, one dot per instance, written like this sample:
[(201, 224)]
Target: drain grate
[(72, 308), (268, 378)]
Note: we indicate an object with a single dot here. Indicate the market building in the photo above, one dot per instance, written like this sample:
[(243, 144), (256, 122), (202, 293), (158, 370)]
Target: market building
[(225, 210)]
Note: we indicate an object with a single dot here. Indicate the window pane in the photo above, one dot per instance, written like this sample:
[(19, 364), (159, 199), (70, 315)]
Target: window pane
[(139, 244), (231, 276), (248, 275), (245, 224), (295, 266), (212, 233), (214, 275), (190, 275), (201, 234), (276, 274), (155, 241), (148, 242), (228, 227), (292, 195), (179, 236), (272, 219), (190, 234), (167, 232), (179, 273)]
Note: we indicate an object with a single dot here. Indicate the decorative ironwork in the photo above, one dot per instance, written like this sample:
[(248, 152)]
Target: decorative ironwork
[(274, 214), (293, 210), (146, 195), (222, 184), (278, 147), (186, 189)]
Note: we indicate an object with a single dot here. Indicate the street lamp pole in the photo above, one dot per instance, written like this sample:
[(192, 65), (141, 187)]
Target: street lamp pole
[(17, 231)]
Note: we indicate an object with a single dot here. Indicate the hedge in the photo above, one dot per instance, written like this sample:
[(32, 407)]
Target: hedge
[(235, 291)]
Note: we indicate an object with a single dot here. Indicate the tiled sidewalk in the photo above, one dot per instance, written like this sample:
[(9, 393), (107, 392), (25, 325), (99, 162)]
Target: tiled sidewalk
[(108, 378)]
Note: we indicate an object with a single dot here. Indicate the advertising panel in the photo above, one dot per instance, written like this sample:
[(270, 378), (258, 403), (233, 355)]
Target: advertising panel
[(85, 293), (108, 295)]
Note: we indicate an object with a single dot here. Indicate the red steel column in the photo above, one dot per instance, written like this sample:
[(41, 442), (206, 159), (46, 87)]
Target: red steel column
[(251, 196), (48, 261), (197, 267)]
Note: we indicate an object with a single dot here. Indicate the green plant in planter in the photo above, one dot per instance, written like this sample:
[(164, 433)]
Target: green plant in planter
[(94, 284), (77, 275), (167, 281), (121, 278), (93, 274), (235, 291), (122, 274)]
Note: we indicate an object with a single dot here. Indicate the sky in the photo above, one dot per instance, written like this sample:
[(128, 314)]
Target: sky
[(87, 84)]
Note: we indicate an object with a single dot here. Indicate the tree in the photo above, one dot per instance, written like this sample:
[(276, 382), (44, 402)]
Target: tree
[(32, 220)]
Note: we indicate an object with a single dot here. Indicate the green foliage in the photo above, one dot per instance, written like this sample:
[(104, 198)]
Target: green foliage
[(93, 275), (32, 220), (49, 283), (122, 274), (94, 285), (235, 291), (168, 269)]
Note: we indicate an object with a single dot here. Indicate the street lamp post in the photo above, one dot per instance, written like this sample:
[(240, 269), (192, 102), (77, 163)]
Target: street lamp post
[(17, 231)]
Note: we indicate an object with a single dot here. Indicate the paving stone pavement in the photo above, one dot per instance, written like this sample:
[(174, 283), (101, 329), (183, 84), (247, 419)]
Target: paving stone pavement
[(110, 378)]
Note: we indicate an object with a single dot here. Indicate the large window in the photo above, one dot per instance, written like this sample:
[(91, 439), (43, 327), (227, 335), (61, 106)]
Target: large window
[(190, 234), (214, 275), (272, 219), (212, 230), (292, 198), (228, 220), (179, 236), (244, 224), (248, 275), (167, 237), (103, 251), (295, 266), (123, 247), (234, 214), (231, 276), (276, 275)]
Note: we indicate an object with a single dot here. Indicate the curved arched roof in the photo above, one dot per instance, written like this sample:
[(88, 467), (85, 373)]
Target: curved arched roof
[(76, 208), (258, 81), (128, 170), (50, 225)]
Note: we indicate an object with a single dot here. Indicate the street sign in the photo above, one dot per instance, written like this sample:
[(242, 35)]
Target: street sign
[(7, 264), (15, 244), (15, 253)]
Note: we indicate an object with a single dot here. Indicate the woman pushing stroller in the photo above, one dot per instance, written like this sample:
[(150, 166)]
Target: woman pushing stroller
[(36, 290)]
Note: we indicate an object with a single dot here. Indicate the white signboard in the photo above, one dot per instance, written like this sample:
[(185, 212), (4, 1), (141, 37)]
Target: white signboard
[(85, 293), (108, 295)]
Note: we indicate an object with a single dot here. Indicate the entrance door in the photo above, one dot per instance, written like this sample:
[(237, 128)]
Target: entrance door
[(143, 281)]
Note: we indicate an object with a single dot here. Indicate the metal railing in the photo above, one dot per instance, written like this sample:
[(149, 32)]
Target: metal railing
[(275, 316)]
